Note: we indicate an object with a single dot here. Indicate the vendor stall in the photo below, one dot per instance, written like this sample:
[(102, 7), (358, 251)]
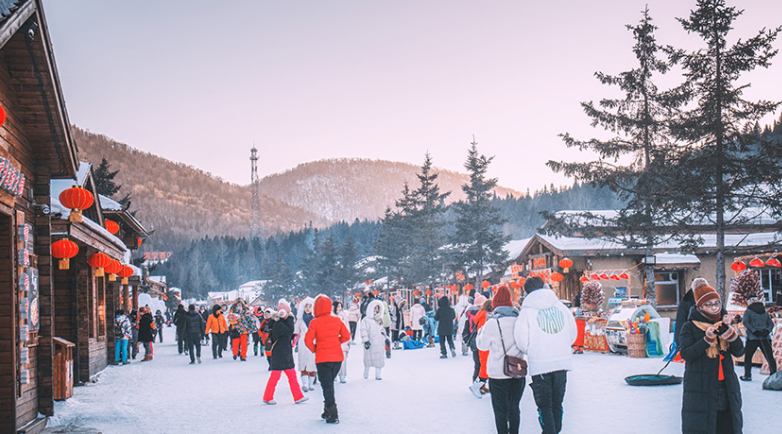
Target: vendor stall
[(622, 319)]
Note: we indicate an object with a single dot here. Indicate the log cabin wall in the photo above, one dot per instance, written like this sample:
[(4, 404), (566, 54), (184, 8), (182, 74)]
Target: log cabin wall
[(8, 384)]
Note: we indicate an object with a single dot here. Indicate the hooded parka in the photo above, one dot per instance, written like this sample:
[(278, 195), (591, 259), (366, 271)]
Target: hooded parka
[(372, 331), (326, 333)]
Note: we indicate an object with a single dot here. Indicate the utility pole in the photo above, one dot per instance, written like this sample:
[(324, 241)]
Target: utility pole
[(256, 220)]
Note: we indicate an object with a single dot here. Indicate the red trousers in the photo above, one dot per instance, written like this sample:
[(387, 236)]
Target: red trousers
[(293, 382), (235, 342)]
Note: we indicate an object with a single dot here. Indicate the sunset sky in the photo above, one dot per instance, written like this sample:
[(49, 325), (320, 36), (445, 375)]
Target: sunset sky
[(200, 81)]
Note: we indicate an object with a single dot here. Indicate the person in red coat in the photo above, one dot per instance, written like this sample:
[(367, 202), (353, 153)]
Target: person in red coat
[(325, 337)]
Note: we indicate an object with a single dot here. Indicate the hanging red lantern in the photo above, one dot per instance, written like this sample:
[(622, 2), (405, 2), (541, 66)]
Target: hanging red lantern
[(125, 273), (469, 287), (624, 276), (604, 276), (428, 292), (77, 199), (738, 266), (756, 263), (113, 268), (566, 263), (454, 289), (774, 262), (2, 116), (556, 277), (522, 281), (594, 276), (485, 284), (112, 226), (513, 284), (64, 250), (584, 278), (138, 243), (357, 295), (416, 293), (613, 276), (99, 261)]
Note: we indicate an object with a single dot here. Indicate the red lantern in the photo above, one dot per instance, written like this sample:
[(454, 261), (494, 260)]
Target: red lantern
[(113, 268), (584, 279), (469, 287), (774, 262), (485, 284), (738, 266), (513, 284), (77, 199), (594, 276), (604, 276), (454, 289), (125, 273), (64, 250), (99, 261), (613, 276), (566, 263), (428, 292), (556, 277), (416, 293), (522, 281), (624, 276), (357, 295), (112, 226), (756, 263), (138, 243), (2, 119)]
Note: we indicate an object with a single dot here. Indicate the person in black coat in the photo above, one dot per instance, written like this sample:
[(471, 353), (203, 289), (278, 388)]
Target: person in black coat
[(159, 321), (712, 397), (194, 327), (179, 322), (759, 327), (683, 310), (281, 360), (445, 317), (146, 332)]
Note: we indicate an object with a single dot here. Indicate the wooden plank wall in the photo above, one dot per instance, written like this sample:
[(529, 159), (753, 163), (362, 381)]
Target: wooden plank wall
[(65, 306), (7, 329), (45, 296)]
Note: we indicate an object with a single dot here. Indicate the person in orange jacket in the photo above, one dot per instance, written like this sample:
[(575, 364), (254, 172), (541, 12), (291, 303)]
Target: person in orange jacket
[(479, 387), (216, 325), (325, 337)]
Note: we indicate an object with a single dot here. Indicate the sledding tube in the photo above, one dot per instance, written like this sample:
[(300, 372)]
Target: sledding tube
[(653, 380)]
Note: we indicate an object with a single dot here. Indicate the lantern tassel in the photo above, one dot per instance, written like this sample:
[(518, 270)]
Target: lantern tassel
[(75, 216), (112, 277), (124, 281), (65, 264), (99, 272)]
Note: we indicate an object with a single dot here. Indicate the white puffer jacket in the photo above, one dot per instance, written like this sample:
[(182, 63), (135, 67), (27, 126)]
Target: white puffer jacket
[(416, 313), (545, 331), (489, 340), (372, 331), (306, 357)]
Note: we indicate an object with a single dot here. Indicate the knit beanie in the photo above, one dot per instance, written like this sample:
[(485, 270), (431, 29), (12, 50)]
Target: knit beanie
[(703, 294), (502, 297), (479, 299), (284, 305), (532, 284), (699, 282)]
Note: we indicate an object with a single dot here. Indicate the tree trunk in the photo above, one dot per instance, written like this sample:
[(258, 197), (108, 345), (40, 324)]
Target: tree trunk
[(651, 290)]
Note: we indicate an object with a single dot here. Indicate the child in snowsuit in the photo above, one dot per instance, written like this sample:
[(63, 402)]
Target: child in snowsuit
[(281, 359), (373, 336)]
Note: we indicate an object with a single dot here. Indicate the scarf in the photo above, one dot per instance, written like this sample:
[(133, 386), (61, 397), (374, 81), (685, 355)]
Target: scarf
[(307, 317), (713, 351)]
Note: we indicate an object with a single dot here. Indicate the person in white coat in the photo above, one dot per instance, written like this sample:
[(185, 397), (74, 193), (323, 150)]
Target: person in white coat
[(343, 315), (545, 331), (416, 313), (497, 337), (462, 304), (373, 336), (306, 357)]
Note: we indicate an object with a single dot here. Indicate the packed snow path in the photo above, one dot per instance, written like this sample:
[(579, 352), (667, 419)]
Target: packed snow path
[(419, 393)]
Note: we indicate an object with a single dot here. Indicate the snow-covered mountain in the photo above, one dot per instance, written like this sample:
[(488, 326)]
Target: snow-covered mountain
[(345, 189)]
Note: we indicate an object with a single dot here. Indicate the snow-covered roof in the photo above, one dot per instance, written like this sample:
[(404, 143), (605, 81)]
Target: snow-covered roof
[(158, 279), (749, 216), (569, 244), (515, 247), (109, 204), (675, 258)]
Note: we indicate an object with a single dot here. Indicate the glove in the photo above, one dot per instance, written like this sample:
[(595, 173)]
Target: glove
[(730, 335), (367, 344), (710, 335)]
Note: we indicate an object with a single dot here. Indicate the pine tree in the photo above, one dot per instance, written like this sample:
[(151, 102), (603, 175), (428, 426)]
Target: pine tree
[(638, 120), (727, 171), (478, 240), (104, 182), (427, 236), (348, 275)]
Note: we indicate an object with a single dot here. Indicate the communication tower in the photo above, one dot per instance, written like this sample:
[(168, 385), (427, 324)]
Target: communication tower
[(256, 220)]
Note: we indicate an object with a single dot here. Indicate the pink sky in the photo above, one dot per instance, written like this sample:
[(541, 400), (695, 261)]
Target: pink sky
[(199, 81)]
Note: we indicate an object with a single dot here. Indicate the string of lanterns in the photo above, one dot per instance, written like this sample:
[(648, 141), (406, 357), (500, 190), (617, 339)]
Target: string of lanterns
[(738, 266)]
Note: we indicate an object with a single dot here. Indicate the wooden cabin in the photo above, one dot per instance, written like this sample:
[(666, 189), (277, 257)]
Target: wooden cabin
[(35, 146)]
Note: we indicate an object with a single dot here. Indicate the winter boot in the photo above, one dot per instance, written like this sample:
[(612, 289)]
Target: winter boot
[(333, 415), (342, 379), (431, 343), (311, 382), (199, 360), (475, 388), (325, 414), (302, 399), (443, 356), (377, 373), (304, 387), (746, 378), (366, 372), (453, 352)]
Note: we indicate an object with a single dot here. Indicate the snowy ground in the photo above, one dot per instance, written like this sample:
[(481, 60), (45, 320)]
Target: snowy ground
[(418, 393)]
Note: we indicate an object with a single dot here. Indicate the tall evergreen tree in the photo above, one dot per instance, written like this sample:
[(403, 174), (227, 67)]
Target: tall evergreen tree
[(726, 167), (348, 274), (639, 121), (104, 179), (478, 240), (426, 232)]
